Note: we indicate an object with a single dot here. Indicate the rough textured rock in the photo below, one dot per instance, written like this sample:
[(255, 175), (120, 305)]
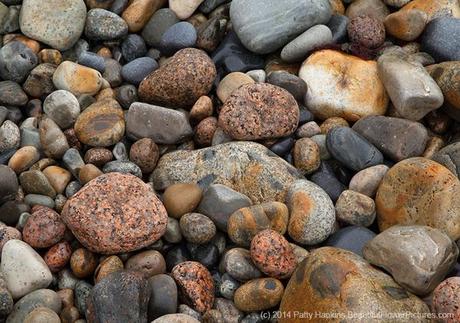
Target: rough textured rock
[(181, 81), (447, 76), (247, 167), (419, 191), (259, 111), (341, 85), (332, 280), (407, 253), (115, 213)]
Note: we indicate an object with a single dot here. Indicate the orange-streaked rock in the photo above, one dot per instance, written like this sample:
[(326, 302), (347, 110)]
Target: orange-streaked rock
[(77, 79), (138, 13), (436, 8), (406, 24), (259, 294), (447, 76)]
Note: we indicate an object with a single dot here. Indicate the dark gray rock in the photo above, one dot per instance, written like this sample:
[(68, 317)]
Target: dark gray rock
[(449, 156), (82, 292), (133, 47), (178, 36), (112, 73), (16, 61), (125, 167), (157, 25), (8, 184), (105, 25), (441, 39), (338, 26), (39, 298), (351, 238), (118, 6), (290, 82), (326, 179), (11, 93), (163, 296), (135, 71)]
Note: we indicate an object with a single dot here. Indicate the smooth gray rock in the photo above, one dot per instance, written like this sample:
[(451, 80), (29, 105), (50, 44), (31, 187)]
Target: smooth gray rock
[(157, 25), (247, 167), (39, 298), (16, 61), (177, 37), (264, 26), (441, 39), (164, 126), (418, 257), (135, 71), (62, 107), (11, 93), (314, 37), (238, 264), (121, 166), (163, 296)]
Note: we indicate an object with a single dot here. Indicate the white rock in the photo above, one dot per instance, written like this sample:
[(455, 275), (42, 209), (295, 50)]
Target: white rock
[(24, 270), (184, 8)]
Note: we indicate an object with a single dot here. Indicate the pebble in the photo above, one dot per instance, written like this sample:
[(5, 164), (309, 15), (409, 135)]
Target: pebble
[(195, 284), (108, 266), (12, 94), (77, 79), (62, 107), (341, 85), (259, 294), (190, 73), (149, 263), (413, 97), (51, 56), (228, 286), (83, 263), (406, 253), (299, 48), (407, 25), (181, 198), (41, 298), (396, 138), (101, 124), (92, 60), (114, 292), (262, 30), (312, 214), (179, 36), (144, 153), (123, 204), (98, 156), (36, 199), (366, 31), (124, 167), (16, 61), (275, 104), (368, 180), (449, 157), (184, 8), (23, 269), (238, 264), (58, 256), (138, 69), (163, 297), (42, 315), (43, 228), (35, 182), (82, 291), (435, 8), (338, 26), (373, 8), (138, 12), (58, 178), (263, 173), (10, 136), (230, 83), (176, 318), (318, 282), (396, 3), (102, 24), (197, 228), (57, 23), (351, 149), (132, 47), (23, 159), (306, 155), (272, 254), (445, 297), (157, 25), (355, 208), (73, 162), (445, 74), (429, 191), (245, 223), (309, 130)]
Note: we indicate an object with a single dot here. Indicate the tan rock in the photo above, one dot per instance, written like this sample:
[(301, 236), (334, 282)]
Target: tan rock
[(259, 294), (23, 159), (436, 8), (184, 8), (181, 198), (406, 24), (230, 83), (58, 177), (88, 172), (77, 79), (138, 13)]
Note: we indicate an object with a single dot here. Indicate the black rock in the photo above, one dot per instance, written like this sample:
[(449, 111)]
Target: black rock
[(293, 84), (120, 297), (163, 296), (176, 255), (135, 71), (441, 39), (82, 292), (125, 95), (338, 25), (206, 254), (10, 211), (133, 47), (209, 5), (351, 149), (16, 61), (283, 146), (326, 179), (351, 238), (305, 115), (179, 36)]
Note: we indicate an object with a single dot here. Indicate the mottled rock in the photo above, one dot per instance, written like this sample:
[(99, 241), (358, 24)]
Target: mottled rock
[(355, 208), (373, 8), (8, 184), (12, 94), (149, 263), (445, 298), (197, 228), (184, 8), (435, 8), (230, 83), (108, 266), (16, 61), (62, 107), (259, 294), (406, 24), (366, 31), (238, 264), (43, 228), (41, 298), (449, 156), (306, 155), (138, 12), (58, 256), (102, 24), (447, 76)]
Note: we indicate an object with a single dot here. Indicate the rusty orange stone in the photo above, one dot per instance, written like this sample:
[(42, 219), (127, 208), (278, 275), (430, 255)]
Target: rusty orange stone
[(138, 13)]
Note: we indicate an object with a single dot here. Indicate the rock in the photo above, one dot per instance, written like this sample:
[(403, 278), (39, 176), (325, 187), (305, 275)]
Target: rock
[(259, 294), (179, 36), (406, 253), (184, 8), (312, 213), (245, 223), (396, 3), (373, 8), (195, 284), (259, 173), (413, 97), (338, 26), (92, 60), (149, 263), (12, 94), (62, 107), (58, 178), (154, 122), (314, 37), (41, 298), (138, 12), (272, 254), (341, 85), (35, 182), (52, 139), (56, 23), (205, 130), (108, 299), (157, 25), (355, 208), (42, 315), (397, 138), (406, 24), (83, 263), (351, 149), (419, 191), (366, 31), (82, 291), (107, 267), (8, 184), (306, 155), (230, 83), (163, 296), (449, 156), (445, 297), (132, 47), (435, 8), (40, 81), (293, 84), (145, 153), (112, 73), (181, 81), (43, 228), (10, 136), (23, 269), (58, 256), (238, 264), (181, 198), (95, 213), (102, 24), (176, 318), (101, 124), (77, 79), (269, 112), (6, 234), (197, 228), (331, 279), (136, 70), (124, 167), (447, 77), (368, 180), (262, 30), (6, 305), (16, 61)]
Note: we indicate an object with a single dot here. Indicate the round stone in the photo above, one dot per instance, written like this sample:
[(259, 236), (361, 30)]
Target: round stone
[(108, 266), (355, 208), (157, 25), (419, 191), (145, 153), (58, 256), (306, 155), (259, 294), (43, 228), (406, 24), (104, 25), (205, 130), (10, 136), (137, 70), (197, 228), (368, 180), (238, 264), (182, 198), (62, 107), (8, 233), (83, 263), (42, 315), (259, 111), (178, 36), (77, 79), (446, 298), (150, 263), (98, 156), (24, 158), (16, 61), (202, 109), (138, 12), (115, 213), (230, 83), (366, 31), (272, 254)]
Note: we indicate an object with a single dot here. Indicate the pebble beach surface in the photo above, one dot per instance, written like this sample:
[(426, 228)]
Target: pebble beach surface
[(227, 161)]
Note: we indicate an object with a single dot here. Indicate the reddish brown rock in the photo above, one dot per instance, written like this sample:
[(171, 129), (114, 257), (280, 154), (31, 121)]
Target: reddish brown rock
[(181, 81), (83, 263), (205, 131), (58, 256), (8, 233), (366, 31), (43, 228), (446, 299), (98, 156), (115, 213), (259, 111), (195, 284), (145, 153), (272, 254)]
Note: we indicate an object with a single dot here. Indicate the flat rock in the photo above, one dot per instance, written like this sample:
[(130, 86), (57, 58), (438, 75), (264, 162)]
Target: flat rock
[(396, 138), (341, 85), (265, 26), (115, 213), (406, 252), (246, 167), (57, 23)]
